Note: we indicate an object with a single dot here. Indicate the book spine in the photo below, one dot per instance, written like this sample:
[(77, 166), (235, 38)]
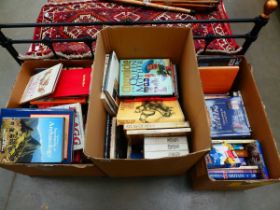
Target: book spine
[(107, 137), (140, 126), (232, 176)]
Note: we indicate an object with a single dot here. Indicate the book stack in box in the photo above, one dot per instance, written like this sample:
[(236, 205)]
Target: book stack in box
[(49, 125), (141, 98), (234, 154)]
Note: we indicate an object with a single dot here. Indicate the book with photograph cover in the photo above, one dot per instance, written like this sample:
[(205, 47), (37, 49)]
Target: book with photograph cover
[(228, 118), (32, 140), (146, 77), (41, 84), (27, 112)]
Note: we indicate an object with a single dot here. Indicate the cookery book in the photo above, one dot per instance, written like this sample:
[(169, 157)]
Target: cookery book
[(41, 84), (32, 140), (146, 77)]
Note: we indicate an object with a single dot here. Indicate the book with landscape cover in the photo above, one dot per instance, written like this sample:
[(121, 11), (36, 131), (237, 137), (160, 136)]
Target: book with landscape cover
[(146, 77), (228, 118), (78, 132), (32, 140), (73, 82), (27, 112), (41, 84), (149, 111)]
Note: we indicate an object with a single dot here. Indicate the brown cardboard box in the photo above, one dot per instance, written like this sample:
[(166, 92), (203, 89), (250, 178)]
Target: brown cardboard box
[(258, 120), (149, 42), (46, 169)]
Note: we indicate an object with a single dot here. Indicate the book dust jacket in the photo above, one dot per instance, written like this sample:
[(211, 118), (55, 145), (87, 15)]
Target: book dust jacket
[(32, 140)]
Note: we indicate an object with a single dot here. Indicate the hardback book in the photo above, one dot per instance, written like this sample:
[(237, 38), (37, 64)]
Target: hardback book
[(135, 151), (111, 82), (73, 82), (113, 138), (149, 112), (218, 60), (228, 118), (166, 140), (78, 132), (146, 77), (107, 138), (158, 125), (48, 102), (27, 112), (111, 108), (121, 143), (41, 84), (32, 140), (67, 139), (217, 79)]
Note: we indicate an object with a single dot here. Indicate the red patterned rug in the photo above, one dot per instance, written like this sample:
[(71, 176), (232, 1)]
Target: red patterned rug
[(101, 10)]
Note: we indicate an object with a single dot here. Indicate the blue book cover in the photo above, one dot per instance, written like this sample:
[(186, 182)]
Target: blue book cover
[(233, 176), (27, 112), (228, 118), (32, 140), (146, 77)]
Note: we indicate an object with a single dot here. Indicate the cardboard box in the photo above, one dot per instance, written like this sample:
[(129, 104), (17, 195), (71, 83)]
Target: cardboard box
[(149, 42), (13, 102), (245, 82)]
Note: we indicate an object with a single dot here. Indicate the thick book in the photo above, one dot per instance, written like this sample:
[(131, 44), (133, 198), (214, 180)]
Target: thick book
[(32, 140), (146, 77), (73, 82), (27, 112), (111, 83), (158, 132), (78, 132), (107, 138), (41, 84), (149, 112), (165, 154), (228, 118), (47, 102), (217, 79), (113, 138)]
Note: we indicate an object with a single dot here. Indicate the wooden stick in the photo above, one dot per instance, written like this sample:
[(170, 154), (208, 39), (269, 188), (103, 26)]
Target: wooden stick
[(156, 6)]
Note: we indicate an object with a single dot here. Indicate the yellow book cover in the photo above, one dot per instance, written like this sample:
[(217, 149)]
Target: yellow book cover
[(149, 111)]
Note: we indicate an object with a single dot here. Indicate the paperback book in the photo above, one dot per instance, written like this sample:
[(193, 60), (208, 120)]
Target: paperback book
[(228, 118), (149, 112), (32, 140), (146, 77)]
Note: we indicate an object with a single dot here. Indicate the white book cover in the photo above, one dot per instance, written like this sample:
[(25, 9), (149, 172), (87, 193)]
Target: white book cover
[(166, 140), (165, 154), (41, 84), (165, 147), (78, 132), (112, 79)]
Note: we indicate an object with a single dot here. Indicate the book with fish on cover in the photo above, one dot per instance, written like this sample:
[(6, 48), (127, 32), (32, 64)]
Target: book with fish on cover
[(32, 140), (149, 111), (146, 77)]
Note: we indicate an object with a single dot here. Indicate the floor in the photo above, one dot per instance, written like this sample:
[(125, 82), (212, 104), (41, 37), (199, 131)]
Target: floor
[(24, 192)]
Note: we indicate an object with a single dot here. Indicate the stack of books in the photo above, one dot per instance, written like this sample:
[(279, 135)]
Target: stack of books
[(49, 127), (234, 154), (141, 96)]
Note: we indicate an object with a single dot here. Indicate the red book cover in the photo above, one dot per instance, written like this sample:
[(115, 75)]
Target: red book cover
[(74, 82)]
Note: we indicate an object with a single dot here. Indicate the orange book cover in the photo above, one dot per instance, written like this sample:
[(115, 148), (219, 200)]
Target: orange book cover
[(74, 82), (217, 79)]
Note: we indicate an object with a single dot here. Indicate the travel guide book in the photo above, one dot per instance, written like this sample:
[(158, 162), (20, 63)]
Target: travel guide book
[(32, 140), (41, 84), (146, 77), (27, 112), (228, 118)]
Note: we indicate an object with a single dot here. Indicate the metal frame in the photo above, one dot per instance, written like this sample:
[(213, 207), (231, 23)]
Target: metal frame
[(251, 36)]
